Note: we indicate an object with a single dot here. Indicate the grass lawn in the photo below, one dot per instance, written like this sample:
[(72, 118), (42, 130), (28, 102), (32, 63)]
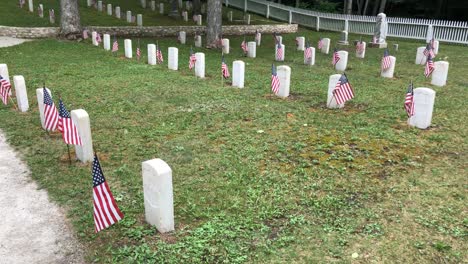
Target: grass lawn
[(92, 17), (256, 178)]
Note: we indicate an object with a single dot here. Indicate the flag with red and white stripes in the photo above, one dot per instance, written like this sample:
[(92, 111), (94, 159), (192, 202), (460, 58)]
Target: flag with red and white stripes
[(224, 69), (5, 88), (138, 53), (409, 101), (343, 90), (115, 45), (360, 47), (67, 127), (308, 52), (429, 66), (159, 55), (385, 65), (244, 47), (336, 57), (85, 34), (105, 209), (192, 59), (320, 44), (275, 83), (429, 50), (51, 115), (279, 52), (98, 38)]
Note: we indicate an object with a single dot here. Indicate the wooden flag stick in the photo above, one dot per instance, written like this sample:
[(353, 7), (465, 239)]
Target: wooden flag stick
[(69, 155), (14, 105), (222, 77)]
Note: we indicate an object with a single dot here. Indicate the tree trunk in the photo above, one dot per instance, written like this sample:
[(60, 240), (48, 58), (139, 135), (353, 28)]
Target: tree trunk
[(382, 6), (196, 6), (214, 23), (298, 3), (364, 11), (359, 6), (376, 7), (344, 6), (70, 26), (349, 7)]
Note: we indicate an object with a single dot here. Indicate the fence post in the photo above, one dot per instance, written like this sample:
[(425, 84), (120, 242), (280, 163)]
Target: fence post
[(245, 5), (318, 23), (346, 25), (290, 16), (268, 11), (429, 34)]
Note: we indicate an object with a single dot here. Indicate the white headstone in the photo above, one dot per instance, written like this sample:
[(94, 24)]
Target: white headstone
[(99, 6), (161, 8), (279, 39), (52, 16), (139, 20), (251, 49), (284, 76), (310, 61), (198, 41), (248, 20), (107, 43), (94, 35), (331, 100), (40, 104), (420, 58), (388, 73), (85, 152), (89, 3), (238, 71), (281, 58), (343, 38), (199, 20), (117, 12), (31, 6), (362, 54), (153, 5), (423, 106), (109, 9), (230, 16), (129, 16), (343, 62), (180, 4), (436, 47), (143, 3), (325, 45), (151, 54), (185, 16), (21, 93), (158, 195), (41, 14), (300, 43), (4, 72), (258, 38), (440, 73), (182, 37), (173, 59), (225, 43), (200, 65), (128, 48)]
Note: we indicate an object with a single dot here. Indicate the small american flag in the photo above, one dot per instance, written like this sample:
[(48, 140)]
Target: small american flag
[(429, 66), (308, 52), (279, 52), (360, 47), (105, 209), (21, 3), (40, 11), (429, 51), (374, 39), (138, 51), (159, 55), (192, 59), (386, 61), (220, 40), (275, 83), (409, 101), (98, 38), (320, 44), (52, 15), (244, 47), (5, 88), (336, 57), (115, 45), (343, 90), (51, 115), (224, 69), (432, 42), (85, 34), (195, 18), (297, 41), (257, 36), (133, 19), (67, 127)]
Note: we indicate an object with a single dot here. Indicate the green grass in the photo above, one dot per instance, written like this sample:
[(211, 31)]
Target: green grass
[(92, 17), (315, 187)]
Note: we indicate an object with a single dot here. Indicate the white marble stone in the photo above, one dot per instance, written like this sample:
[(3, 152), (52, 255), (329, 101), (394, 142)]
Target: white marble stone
[(21, 93), (85, 152), (107, 42), (238, 71), (158, 194), (140, 20), (182, 37), (198, 41), (180, 4), (151, 54), (251, 49), (284, 76), (362, 54), (423, 106), (326, 45), (284, 53), (226, 47), (247, 20), (230, 16), (129, 16), (99, 6), (300, 43), (93, 36), (41, 14), (331, 101), (4, 72), (31, 6), (185, 16), (52, 16), (311, 61), (436, 47), (153, 5), (343, 62), (388, 73), (161, 8), (173, 59), (258, 38), (40, 104), (117, 12), (420, 58), (440, 73), (128, 48), (89, 3), (109, 9), (343, 38), (199, 20), (143, 4), (200, 65)]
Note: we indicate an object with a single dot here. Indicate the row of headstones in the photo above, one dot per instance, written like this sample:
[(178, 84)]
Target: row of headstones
[(40, 10)]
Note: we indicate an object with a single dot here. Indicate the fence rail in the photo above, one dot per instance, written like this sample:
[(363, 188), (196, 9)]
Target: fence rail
[(409, 28)]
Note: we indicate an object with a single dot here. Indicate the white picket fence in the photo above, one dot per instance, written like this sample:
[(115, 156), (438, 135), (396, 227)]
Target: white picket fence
[(409, 28)]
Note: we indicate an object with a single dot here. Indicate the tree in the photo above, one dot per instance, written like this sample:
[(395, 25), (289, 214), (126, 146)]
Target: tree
[(70, 26), (196, 7), (349, 7), (382, 6), (213, 23)]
